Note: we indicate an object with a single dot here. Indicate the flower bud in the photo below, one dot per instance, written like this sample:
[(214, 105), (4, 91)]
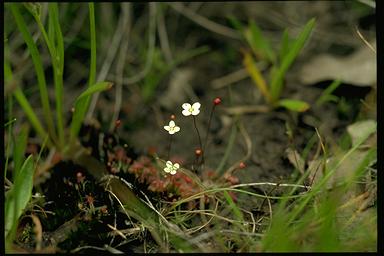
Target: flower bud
[(198, 152), (217, 101)]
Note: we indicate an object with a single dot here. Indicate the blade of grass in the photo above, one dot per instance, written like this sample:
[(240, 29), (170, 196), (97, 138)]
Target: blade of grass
[(58, 68), (294, 105), (327, 176), (17, 198), (294, 50), (38, 68), (83, 101), (19, 149), (256, 76), (57, 59), (22, 100), (92, 27), (9, 124), (326, 95), (231, 142), (285, 44), (259, 44), (81, 106)]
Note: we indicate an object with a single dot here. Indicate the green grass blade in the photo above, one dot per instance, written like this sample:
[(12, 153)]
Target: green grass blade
[(285, 44), (38, 68), (81, 106), (236, 23), (256, 76), (228, 150), (92, 27), (259, 44), (35, 122), (326, 95), (22, 100), (57, 59), (58, 67), (19, 149), (329, 173), (294, 50), (294, 105), (18, 197)]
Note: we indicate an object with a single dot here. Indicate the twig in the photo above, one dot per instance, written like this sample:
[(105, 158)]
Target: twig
[(248, 144), (204, 22), (151, 47), (126, 9), (231, 78), (267, 183), (163, 36), (239, 110), (112, 50), (365, 40)]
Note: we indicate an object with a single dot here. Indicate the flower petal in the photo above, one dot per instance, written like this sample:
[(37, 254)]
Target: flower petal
[(196, 105), (167, 128), (172, 123), (186, 112), (186, 106), (167, 170), (173, 172), (171, 131), (176, 165), (176, 129), (169, 164), (195, 112)]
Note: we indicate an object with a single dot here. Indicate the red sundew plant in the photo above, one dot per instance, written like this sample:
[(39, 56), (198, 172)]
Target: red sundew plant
[(174, 184)]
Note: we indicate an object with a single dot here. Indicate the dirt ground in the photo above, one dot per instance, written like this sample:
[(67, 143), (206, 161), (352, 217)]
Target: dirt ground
[(196, 80)]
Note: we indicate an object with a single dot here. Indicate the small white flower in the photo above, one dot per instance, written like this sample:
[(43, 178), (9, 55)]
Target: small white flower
[(171, 168), (191, 110), (172, 127)]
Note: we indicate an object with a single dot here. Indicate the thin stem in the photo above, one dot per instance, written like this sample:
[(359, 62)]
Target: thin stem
[(169, 146), (208, 127), (198, 134)]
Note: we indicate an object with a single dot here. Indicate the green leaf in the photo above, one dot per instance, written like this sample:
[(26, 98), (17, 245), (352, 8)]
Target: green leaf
[(294, 50), (82, 104), (294, 105), (18, 197), (259, 44)]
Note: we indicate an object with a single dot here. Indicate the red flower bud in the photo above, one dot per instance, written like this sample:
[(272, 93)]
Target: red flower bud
[(198, 152), (217, 101), (173, 117), (242, 165)]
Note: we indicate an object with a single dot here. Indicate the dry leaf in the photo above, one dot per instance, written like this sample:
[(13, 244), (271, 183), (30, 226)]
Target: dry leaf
[(359, 68)]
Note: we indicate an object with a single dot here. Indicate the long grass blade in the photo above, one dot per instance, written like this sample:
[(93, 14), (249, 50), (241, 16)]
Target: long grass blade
[(277, 79), (81, 106), (256, 76), (20, 194), (19, 149), (38, 68), (259, 44)]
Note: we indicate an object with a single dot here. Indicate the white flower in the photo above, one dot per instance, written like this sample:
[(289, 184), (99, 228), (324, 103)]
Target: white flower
[(171, 168), (191, 110), (172, 127)]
